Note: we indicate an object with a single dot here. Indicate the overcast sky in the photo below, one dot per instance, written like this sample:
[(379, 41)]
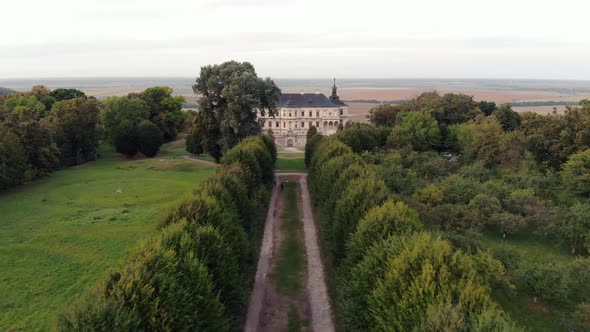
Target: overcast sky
[(297, 39)]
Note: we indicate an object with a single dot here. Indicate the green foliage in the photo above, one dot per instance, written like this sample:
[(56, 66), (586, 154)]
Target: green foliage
[(417, 130), (458, 190), (74, 123), (203, 255), (401, 281), (383, 115), (485, 144), (485, 206), (13, 160), (69, 230), (157, 289), (509, 119), (378, 224), (362, 137), (42, 153), (576, 175), (361, 195), (150, 138), (64, 94), (125, 138), (215, 252), (119, 109), (231, 92), (487, 107), (310, 148), (25, 107), (164, 109), (573, 227), (397, 178), (546, 280), (311, 132)]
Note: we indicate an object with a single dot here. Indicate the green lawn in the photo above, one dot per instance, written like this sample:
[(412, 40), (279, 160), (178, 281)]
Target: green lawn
[(290, 165), (290, 263), (60, 235), (520, 307)]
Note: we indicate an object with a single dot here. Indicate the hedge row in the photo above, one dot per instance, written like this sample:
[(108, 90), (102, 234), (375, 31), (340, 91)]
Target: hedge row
[(389, 274), (197, 272)]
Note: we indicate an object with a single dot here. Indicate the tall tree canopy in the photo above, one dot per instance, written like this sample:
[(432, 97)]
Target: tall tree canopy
[(75, 126), (164, 109), (230, 95)]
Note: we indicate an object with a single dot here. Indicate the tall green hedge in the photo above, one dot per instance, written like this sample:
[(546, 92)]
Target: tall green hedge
[(195, 274), (387, 274)]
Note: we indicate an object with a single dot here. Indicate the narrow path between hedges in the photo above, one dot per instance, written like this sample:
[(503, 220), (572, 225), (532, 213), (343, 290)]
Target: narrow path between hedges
[(290, 240)]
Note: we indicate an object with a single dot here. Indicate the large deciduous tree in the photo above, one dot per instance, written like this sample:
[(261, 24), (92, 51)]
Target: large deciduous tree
[(164, 108), (75, 126), (417, 130), (230, 94), (119, 109)]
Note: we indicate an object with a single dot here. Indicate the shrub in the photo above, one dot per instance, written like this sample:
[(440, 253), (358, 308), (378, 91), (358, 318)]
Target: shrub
[(157, 289), (361, 195), (310, 147), (547, 280), (247, 158), (378, 224), (212, 249), (485, 206), (150, 138), (576, 175), (206, 210), (125, 138), (403, 279), (458, 190)]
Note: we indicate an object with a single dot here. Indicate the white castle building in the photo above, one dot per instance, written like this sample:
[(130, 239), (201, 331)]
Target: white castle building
[(299, 111)]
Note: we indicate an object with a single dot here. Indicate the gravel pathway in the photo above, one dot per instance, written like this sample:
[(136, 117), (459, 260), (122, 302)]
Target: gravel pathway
[(321, 313)]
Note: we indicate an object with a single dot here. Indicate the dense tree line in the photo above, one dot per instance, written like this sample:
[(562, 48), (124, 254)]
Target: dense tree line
[(43, 130), (197, 272), (391, 274), (462, 168), (231, 93)]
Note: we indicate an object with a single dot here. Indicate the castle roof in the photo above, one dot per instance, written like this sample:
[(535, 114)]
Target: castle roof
[(299, 100)]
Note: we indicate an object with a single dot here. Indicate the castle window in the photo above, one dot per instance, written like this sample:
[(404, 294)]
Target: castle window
[(295, 113), (302, 124), (289, 114), (317, 113), (317, 124), (284, 124), (310, 114), (341, 111), (277, 124)]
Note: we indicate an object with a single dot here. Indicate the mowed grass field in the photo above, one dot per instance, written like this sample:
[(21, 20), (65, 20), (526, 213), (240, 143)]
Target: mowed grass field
[(61, 235), (290, 162)]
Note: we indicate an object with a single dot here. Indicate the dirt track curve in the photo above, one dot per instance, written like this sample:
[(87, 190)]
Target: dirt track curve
[(321, 313)]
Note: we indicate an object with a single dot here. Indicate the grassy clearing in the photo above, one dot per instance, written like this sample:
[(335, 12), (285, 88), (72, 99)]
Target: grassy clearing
[(60, 235), (290, 165), (521, 308), (291, 155), (290, 262)]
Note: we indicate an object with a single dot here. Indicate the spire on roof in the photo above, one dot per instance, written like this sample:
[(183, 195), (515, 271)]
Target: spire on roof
[(334, 96)]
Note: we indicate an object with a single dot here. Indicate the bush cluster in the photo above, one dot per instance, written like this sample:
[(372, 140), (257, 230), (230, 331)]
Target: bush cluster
[(197, 272), (389, 274)]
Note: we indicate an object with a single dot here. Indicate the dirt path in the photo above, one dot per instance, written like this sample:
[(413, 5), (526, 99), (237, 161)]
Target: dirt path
[(267, 308), (202, 161)]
